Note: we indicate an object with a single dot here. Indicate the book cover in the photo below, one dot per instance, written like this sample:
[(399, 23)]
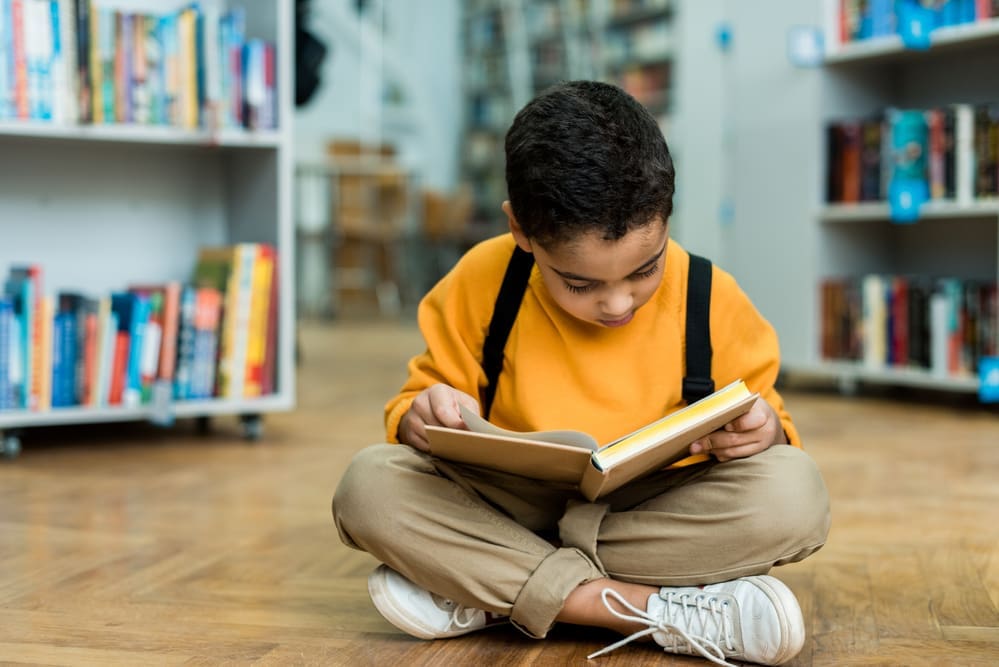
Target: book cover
[(575, 457)]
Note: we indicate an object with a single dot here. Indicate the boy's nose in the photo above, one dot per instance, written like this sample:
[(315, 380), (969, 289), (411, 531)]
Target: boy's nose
[(617, 303)]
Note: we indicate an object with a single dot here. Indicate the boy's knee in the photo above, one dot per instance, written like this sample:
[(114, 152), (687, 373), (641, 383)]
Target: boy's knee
[(360, 489), (373, 486), (797, 499)]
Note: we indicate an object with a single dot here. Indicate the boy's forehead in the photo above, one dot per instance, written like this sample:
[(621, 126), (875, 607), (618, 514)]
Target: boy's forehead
[(593, 241), (593, 256)]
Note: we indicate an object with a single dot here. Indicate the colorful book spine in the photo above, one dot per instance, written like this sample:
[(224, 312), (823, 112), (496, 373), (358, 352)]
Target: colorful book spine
[(263, 271), (185, 344), (132, 390), (7, 334)]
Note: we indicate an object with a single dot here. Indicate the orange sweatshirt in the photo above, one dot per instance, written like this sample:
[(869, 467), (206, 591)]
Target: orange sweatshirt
[(563, 373)]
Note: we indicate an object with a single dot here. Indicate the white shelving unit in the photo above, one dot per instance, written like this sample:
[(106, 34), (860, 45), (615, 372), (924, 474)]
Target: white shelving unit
[(949, 239), (103, 206), (781, 241)]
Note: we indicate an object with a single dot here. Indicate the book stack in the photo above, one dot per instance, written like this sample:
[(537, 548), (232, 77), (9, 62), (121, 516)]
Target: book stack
[(866, 19), (69, 61), (945, 325), (953, 149), (214, 337)]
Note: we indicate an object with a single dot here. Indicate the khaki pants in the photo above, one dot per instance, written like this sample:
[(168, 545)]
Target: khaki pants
[(518, 547)]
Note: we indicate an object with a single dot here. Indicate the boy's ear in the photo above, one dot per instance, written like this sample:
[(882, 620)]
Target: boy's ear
[(518, 233)]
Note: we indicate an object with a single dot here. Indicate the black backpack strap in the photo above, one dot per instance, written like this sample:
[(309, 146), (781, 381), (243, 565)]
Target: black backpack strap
[(511, 293), (698, 383)]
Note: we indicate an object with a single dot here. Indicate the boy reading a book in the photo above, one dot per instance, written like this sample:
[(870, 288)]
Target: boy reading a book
[(597, 344)]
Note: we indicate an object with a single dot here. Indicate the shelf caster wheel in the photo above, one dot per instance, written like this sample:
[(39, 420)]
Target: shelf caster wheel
[(848, 386), (203, 425), (253, 427), (11, 446)]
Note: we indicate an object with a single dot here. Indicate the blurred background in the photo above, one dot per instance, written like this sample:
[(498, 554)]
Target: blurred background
[(792, 129)]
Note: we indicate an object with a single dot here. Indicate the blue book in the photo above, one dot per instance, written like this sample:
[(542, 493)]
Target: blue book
[(132, 394), (7, 323), (64, 359)]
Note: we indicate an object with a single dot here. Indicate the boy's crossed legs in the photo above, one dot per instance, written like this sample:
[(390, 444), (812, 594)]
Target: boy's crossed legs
[(472, 536)]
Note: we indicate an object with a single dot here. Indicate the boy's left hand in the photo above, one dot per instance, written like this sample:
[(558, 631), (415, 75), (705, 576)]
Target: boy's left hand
[(744, 436)]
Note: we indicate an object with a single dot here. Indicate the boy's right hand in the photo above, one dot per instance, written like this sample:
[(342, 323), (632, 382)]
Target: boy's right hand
[(436, 405)]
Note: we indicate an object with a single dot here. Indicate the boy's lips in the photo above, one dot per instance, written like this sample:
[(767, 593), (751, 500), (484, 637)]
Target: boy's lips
[(619, 322)]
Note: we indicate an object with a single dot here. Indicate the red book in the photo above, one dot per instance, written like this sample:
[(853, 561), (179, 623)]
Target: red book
[(18, 43), (118, 368), (89, 358)]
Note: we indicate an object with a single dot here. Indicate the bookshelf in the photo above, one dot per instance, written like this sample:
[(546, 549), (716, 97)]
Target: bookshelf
[(954, 237), (103, 206)]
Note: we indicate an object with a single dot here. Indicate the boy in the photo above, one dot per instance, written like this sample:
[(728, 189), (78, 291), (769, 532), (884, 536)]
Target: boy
[(597, 345)]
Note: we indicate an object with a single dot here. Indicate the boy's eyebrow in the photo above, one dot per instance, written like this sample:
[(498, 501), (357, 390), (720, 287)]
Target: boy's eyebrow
[(568, 275)]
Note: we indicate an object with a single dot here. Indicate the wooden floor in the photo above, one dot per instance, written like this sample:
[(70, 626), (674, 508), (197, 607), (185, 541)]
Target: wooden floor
[(132, 545)]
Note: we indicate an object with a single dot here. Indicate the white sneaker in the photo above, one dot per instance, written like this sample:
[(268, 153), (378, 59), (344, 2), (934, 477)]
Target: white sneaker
[(752, 618), (421, 613)]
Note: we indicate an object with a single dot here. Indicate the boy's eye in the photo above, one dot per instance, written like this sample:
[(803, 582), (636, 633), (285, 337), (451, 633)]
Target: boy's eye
[(580, 289), (651, 271)]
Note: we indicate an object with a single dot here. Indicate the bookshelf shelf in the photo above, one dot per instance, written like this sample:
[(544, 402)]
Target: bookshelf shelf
[(183, 409), (933, 210), (139, 134), (104, 207), (851, 372), (982, 34)]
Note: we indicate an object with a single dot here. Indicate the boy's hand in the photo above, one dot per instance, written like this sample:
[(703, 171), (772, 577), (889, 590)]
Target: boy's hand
[(436, 405), (744, 436)]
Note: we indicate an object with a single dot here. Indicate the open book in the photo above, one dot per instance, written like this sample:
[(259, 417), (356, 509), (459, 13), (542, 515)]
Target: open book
[(575, 457)]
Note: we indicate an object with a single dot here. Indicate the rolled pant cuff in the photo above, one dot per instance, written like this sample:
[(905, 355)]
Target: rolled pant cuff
[(543, 596), (579, 527)]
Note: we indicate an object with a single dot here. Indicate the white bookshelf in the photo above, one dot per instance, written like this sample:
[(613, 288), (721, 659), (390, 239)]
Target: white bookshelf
[(103, 206), (782, 240), (949, 238)]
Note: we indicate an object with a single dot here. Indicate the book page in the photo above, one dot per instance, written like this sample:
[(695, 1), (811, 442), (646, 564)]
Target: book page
[(687, 424), (561, 437)]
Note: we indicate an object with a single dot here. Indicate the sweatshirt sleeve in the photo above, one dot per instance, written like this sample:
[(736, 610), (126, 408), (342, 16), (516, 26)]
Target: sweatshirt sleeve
[(453, 318), (745, 346)]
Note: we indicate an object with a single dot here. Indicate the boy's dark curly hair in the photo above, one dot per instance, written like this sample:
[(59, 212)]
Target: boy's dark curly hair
[(585, 156)]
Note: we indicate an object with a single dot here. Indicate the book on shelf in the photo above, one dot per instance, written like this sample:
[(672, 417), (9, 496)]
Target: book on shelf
[(950, 148), (87, 61), (943, 326), (859, 20), (146, 344), (577, 458)]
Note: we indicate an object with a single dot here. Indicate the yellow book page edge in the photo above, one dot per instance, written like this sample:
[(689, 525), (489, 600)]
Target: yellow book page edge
[(672, 424)]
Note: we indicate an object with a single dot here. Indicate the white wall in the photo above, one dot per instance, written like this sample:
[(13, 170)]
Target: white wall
[(697, 128), (418, 52)]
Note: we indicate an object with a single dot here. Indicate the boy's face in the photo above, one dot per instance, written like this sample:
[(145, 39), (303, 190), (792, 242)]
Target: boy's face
[(598, 281)]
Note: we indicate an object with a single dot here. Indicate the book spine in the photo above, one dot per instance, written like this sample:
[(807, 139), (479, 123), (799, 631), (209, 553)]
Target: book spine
[(257, 325), (6, 329), (185, 344), (19, 56), (44, 368), (268, 378), (132, 393), (84, 104)]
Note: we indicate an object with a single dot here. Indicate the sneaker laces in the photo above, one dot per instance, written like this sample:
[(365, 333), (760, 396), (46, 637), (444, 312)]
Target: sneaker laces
[(457, 612), (704, 607)]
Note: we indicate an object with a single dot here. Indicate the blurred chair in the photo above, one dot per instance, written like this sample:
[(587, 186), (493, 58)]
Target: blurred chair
[(446, 219), (374, 220)]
